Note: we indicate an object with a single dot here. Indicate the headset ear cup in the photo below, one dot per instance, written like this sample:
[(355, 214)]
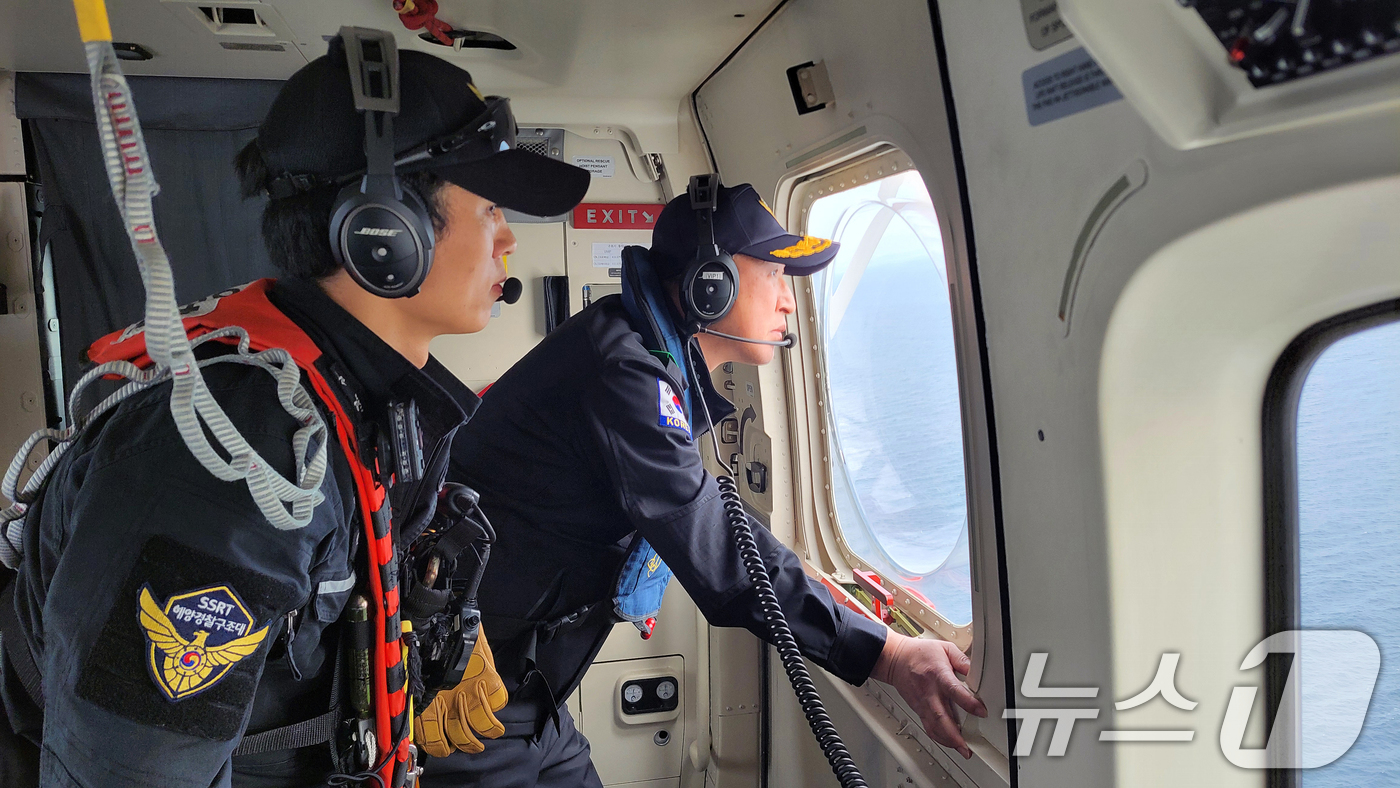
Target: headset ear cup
[(709, 288), (345, 201), (384, 243), (426, 232)]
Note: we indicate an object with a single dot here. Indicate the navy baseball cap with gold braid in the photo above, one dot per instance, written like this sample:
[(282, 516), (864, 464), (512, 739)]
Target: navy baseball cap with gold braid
[(744, 224)]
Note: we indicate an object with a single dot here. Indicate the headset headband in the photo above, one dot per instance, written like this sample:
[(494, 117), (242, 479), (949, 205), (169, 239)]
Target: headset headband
[(704, 198), (372, 57)]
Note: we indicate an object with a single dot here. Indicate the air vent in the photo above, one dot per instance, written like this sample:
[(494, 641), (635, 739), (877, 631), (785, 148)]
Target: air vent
[(471, 39), (232, 20), (545, 142), (239, 46), (538, 146)]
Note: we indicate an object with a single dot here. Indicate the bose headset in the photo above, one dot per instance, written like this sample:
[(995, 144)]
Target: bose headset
[(380, 230), (710, 285)]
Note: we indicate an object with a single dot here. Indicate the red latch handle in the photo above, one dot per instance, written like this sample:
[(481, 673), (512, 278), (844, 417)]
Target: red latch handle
[(880, 597), (646, 627)]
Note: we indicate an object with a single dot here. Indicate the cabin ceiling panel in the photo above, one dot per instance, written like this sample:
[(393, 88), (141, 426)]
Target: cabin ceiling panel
[(624, 62)]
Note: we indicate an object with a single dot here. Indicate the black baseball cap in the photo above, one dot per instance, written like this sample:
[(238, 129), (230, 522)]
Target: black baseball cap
[(743, 224), (313, 136)]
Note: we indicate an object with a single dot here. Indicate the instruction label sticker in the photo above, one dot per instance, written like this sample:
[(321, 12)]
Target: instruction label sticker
[(1064, 86), (1044, 27), (607, 255), (601, 166)]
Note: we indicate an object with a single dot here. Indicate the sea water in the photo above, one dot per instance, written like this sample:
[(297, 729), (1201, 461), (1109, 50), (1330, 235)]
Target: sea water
[(1348, 443)]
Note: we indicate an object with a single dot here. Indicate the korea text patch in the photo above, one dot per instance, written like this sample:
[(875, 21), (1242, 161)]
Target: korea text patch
[(671, 413)]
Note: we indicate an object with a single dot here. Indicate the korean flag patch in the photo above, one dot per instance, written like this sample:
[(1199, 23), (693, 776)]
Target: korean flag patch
[(671, 413)]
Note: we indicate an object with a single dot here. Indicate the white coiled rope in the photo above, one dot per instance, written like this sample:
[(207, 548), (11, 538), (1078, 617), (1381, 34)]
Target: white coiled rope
[(286, 503)]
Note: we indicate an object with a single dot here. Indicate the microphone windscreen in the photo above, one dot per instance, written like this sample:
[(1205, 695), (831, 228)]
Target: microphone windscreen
[(789, 340), (511, 290)]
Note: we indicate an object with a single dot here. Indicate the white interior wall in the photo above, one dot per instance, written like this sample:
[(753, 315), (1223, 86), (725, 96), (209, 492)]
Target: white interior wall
[(1187, 356), (1031, 190)]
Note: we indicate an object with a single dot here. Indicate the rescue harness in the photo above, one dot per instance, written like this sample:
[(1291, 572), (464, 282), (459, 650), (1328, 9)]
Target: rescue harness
[(248, 306)]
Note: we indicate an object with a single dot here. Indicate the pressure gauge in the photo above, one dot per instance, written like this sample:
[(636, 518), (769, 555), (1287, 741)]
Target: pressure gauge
[(650, 695)]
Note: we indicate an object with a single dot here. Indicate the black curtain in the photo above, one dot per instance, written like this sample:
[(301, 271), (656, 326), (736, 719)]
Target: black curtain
[(193, 130)]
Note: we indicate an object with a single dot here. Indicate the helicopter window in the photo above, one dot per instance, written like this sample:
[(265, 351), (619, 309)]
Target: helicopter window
[(1348, 519), (895, 419)]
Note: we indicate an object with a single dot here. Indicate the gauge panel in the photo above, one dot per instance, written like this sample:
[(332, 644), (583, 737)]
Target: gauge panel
[(650, 695), (1276, 41)]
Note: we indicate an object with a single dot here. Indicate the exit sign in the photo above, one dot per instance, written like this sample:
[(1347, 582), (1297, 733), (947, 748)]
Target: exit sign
[(616, 216)]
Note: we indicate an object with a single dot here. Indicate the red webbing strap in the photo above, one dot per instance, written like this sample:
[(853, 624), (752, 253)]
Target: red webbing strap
[(247, 306), (268, 327), (373, 507)]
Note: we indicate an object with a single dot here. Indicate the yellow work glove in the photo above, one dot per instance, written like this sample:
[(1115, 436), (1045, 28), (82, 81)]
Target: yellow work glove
[(457, 716)]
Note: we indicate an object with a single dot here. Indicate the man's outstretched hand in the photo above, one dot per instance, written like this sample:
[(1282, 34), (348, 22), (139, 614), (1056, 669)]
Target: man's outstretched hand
[(923, 670)]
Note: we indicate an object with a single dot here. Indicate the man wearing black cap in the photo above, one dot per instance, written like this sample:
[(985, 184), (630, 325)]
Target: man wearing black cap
[(159, 622), (585, 459)]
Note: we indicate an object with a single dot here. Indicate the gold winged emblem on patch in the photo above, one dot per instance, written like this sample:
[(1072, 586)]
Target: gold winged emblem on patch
[(181, 659)]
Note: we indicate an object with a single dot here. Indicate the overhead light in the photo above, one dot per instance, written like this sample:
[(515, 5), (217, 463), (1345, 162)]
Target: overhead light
[(233, 20), (471, 39), (223, 15), (129, 51)]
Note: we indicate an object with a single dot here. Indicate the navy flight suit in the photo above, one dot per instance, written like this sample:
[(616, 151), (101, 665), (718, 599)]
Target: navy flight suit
[(571, 457), (129, 508)]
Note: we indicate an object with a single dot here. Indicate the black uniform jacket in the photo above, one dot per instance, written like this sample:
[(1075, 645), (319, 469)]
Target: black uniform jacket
[(570, 456), (130, 508)]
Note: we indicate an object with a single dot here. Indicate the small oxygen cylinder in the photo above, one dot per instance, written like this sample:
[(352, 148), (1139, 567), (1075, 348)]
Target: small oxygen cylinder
[(361, 665), (361, 670)]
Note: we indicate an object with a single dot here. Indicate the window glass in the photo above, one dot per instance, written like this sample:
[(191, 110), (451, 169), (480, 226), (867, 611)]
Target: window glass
[(895, 420), (1348, 441)]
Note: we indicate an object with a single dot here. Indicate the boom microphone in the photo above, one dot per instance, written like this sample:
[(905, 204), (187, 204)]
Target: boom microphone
[(789, 339), (510, 290)]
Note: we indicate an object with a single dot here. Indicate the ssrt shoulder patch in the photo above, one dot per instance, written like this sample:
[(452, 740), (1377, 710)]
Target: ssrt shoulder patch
[(195, 638), (125, 672), (671, 413)]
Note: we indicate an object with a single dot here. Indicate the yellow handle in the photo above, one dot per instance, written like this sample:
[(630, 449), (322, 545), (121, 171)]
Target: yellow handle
[(92, 20)]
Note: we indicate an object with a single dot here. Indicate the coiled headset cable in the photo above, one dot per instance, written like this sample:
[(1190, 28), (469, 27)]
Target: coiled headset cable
[(842, 764)]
